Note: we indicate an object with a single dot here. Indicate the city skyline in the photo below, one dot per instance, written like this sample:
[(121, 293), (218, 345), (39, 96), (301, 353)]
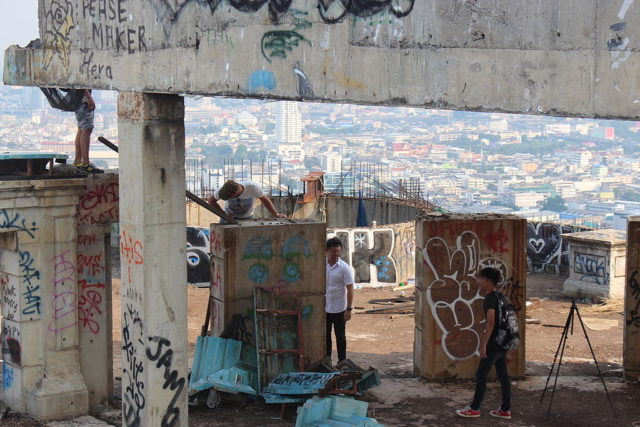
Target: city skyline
[(462, 161)]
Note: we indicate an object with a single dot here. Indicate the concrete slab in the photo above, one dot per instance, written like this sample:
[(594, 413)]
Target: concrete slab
[(575, 57)]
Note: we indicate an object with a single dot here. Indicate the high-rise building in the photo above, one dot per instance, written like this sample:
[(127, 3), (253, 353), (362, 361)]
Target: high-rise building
[(32, 98), (330, 162), (288, 123)]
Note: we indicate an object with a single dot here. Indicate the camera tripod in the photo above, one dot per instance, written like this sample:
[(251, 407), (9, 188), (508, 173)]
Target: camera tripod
[(568, 327)]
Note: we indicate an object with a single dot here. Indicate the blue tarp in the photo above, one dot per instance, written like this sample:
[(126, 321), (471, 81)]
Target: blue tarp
[(362, 214)]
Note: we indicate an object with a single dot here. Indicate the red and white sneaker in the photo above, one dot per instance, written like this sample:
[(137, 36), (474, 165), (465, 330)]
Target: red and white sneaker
[(499, 413), (467, 412)]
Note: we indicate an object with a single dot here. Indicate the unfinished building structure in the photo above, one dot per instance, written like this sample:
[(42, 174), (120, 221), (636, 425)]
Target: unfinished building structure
[(574, 58)]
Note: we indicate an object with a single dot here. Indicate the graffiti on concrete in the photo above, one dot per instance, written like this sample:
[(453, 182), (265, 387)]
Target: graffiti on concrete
[(238, 329), (11, 333), (112, 27), (64, 293), (164, 360), (291, 272), (454, 296), (278, 43), (259, 248), (90, 305), (546, 249), (30, 277), (133, 393), (334, 10), (8, 376), (131, 251), (11, 338), (58, 22), (633, 317), (198, 257), (305, 90), (331, 11), (258, 273), (367, 249), (296, 246), (592, 268), (261, 79), (10, 297), (15, 221), (99, 204), (619, 42)]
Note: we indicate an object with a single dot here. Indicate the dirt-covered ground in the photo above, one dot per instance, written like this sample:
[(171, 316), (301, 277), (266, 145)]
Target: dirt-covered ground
[(385, 341)]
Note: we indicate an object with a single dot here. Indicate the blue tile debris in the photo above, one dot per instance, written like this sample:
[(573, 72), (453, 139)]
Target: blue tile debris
[(334, 411), (297, 387), (297, 383), (225, 365)]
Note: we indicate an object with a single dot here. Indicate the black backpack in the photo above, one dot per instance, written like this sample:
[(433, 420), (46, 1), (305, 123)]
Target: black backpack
[(508, 331)]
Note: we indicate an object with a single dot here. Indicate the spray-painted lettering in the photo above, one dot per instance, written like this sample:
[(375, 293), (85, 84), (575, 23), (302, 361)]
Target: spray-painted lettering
[(64, 295), (133, 396), (18, 222), (172, 378)]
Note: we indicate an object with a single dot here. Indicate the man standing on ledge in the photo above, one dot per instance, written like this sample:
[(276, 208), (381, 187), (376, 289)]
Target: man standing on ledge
[(239, 199), (339, 297)]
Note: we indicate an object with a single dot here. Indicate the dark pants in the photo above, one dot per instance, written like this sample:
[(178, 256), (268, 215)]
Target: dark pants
[(338, 322), (499, 359)]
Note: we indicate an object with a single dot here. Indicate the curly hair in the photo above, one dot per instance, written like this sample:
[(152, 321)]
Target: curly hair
[(228, 190)]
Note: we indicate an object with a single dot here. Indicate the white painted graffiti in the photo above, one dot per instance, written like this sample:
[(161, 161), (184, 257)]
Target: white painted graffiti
[(618, 44), (453, 295), (370, 253)]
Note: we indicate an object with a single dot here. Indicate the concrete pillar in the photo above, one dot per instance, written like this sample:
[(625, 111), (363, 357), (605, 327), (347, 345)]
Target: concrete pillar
[(43, 375), (597, 264), (451, 250), (152, 251), (97, 210), (285, 257), (631, 352)]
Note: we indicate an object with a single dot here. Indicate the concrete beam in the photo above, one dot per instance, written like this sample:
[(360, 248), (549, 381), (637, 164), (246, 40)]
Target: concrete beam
[(152, 251), (557, 57)]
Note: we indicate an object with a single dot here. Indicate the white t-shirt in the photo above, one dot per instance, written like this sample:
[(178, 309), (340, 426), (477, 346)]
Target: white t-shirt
[(242, 207), (339, 275)]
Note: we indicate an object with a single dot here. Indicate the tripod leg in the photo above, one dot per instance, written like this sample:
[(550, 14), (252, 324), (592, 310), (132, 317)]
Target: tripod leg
[(564, 344), (562, 338), (596, 362)]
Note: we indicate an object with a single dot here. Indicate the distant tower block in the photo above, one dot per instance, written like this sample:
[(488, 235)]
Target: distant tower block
[(451, 250), (288, 123)]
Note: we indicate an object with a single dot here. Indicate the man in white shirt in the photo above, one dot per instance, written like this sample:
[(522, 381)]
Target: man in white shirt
[(339, 297), (239, 199)]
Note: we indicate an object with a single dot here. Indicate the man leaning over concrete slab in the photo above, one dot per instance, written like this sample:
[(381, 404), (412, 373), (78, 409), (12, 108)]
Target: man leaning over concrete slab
[(339, 297), (240, 198)]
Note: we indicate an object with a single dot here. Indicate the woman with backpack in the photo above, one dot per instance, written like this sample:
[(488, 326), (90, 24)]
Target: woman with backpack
[(499, 337)]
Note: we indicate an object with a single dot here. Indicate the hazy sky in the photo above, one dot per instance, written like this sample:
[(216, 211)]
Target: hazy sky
[(18, 23)]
